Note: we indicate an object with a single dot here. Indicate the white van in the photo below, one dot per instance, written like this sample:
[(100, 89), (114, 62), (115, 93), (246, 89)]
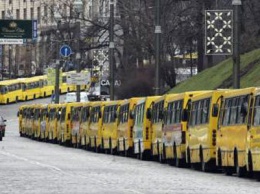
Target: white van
[(72, 97)]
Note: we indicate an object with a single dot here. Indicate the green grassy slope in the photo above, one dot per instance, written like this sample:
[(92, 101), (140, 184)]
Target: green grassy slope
[(216, 76)]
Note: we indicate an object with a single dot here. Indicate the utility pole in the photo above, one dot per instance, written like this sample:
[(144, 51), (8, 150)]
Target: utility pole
[(111, 50), (78, 58), (10, 61), (157, 32), (236, 51), (78, 9), (57, 68)]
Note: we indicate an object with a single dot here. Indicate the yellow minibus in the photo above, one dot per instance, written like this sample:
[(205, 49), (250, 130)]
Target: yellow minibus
[(174, 128), (202, 128), (46, 89), (142, 127), (109, 126), (84, 125), (233, 129), (10, 91), (156, 129), (22, 117), (93, 135), (52, 122), (125, 126), (66, 122), (36, 121), (75, 114), (30, 88)]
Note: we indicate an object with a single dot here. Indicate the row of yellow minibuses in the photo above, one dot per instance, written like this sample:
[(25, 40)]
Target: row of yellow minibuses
[(206, 130), (23, 89)]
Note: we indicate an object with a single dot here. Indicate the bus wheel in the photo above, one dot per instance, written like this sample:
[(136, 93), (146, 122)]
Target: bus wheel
[(34, 96), (125, 151), (188, 157), (250, 164), (141, 157), (219, 158), (95, 142), (228, 171), (16, 99), (176, 159), (240, 171), (26, 98), (1, 137), (7, 101), (44, 95), (203, 164), (110, 146)]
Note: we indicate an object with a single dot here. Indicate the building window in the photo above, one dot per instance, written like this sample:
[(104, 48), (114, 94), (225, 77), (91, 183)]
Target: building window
[(39, 15), (10, 1), (17, 14), (90, 12), (45, 11), (24, 13), (3, 14), (32, 13), (24, 0)]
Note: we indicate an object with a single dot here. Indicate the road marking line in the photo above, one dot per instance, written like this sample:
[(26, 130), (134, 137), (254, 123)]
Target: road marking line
[(31, 161)]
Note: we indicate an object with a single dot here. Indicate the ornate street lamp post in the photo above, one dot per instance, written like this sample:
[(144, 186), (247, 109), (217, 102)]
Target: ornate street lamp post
[(78, 8), (57, 17)]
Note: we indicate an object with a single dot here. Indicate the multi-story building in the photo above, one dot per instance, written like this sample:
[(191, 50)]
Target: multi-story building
[(23, 59), (20, 59)]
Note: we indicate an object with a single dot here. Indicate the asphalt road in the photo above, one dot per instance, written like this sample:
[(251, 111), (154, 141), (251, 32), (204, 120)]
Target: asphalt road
[(28, 166)]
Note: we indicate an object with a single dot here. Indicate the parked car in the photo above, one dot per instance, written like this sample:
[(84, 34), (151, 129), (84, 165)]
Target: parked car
[(2, 127)]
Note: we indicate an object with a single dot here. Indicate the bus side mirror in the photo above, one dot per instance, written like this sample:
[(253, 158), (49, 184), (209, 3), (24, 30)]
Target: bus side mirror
[(244, 109), (215, 109), (184, 116), (132, 114), (69, 116), (161, 114), (87, 113), (58, 115), (148, 113), (18, 114)]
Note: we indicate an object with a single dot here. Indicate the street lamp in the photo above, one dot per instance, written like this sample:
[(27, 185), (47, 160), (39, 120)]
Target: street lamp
[(236, 44), (78, 8), (10, 61), (157, 32), (57, 17), (111, 50)]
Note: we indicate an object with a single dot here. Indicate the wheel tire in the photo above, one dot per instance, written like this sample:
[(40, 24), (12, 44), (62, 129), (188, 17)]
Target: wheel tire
[(219, 159), (228, 171), (177, 161), (250, 164), (203, 164), (188, 157), (240, 171)]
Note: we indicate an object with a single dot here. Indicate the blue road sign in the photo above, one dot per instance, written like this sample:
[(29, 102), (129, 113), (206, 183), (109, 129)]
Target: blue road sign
[(65, 51)]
